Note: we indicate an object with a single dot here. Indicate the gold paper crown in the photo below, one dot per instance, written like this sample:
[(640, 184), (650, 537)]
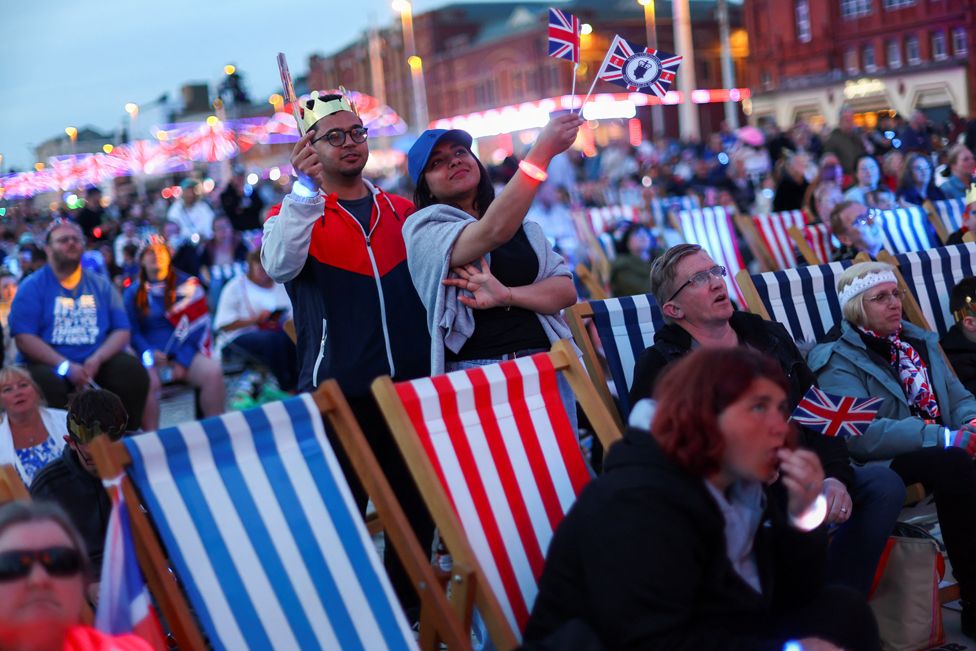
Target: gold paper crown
[(971, 195), (314, 109), (968, 309)]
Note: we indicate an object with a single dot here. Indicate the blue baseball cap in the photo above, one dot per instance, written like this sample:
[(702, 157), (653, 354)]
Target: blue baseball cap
[(419, 153)]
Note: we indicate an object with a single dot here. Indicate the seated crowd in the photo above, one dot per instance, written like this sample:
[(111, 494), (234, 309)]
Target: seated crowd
[(708, 525)]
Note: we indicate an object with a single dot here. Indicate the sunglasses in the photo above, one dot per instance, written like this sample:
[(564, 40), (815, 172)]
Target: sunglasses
[(57, 561)]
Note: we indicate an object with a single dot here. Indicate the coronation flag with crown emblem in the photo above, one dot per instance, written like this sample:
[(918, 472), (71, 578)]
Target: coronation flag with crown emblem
[(642, 70), (564, 35), (835, 415)]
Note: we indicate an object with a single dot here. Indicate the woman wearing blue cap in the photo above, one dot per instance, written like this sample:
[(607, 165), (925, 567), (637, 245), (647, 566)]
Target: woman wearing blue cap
[(492, 286)]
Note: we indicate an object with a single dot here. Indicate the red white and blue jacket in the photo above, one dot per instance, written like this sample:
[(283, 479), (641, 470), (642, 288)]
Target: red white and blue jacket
[(357, 314)]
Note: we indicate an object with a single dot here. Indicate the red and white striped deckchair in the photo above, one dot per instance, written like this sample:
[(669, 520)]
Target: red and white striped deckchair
[(773, 231), (604, 218), (712, 228), (498, 465), (815, 242)]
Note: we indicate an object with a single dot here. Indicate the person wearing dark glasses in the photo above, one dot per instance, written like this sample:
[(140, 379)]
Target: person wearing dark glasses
[(43, 573), (694, 298)]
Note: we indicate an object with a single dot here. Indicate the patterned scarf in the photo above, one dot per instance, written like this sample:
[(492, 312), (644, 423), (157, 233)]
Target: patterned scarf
[(912, 372)]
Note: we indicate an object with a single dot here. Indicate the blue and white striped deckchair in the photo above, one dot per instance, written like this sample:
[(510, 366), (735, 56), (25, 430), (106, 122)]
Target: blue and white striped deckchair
[(946, 216), (803, 299), (626, 326), (904, 230), (262, 531), (931, 275), (661, 207), (712, 229)]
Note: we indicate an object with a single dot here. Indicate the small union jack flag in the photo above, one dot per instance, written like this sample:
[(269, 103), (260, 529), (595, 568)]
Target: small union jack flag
[(836, 415), (564, 36), (644, 70)]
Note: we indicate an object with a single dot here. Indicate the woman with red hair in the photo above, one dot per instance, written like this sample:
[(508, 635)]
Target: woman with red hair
[(706, 533)]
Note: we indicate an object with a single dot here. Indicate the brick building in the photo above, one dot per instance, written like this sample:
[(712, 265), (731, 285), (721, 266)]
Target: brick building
[(810, 57), (480, 57)]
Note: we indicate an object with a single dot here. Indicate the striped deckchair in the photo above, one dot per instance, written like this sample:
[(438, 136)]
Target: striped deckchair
[(904, 230), (803, 299), (604, 218), (498, 465), (946, 216), (815, 243), (930, 276), (625, 326), (260, 528), (771, 231), (712, 229), (662, 207)]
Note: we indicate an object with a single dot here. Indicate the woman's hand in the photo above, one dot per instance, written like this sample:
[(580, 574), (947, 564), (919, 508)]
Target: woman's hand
[(306, 162), (803, 478), (160, 358), (839, 503), (179, 372), (488, 291), (557, 136)]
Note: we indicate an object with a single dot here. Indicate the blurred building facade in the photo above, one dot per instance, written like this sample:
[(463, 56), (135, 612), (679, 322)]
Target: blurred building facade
[(484, 56), (808, 58)]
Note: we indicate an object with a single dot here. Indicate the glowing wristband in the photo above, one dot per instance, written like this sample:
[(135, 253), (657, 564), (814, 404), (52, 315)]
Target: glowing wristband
[(304, 187), (533, 171), (62, 368), (147, 359), (792, 645), (813, 517), (948, 437)]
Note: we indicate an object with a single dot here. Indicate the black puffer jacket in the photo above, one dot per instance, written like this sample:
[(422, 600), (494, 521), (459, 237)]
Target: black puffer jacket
[(768, 337)]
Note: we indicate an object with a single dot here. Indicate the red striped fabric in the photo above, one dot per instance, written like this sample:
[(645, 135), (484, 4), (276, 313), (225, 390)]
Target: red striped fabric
[(774, 230), (505, 453), (819, 237)]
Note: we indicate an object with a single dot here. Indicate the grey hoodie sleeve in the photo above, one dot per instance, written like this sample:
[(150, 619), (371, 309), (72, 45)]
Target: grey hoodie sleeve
[(287, 236)]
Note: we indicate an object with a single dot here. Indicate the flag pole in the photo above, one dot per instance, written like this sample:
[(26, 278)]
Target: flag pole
[(572, 93), (603, 67)]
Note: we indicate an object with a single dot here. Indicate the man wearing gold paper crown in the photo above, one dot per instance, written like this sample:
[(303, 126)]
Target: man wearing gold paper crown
[(335, 242), (968, 217)]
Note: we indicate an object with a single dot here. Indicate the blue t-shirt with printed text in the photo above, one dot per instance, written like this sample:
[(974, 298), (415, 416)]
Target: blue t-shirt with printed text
[(74, 322)]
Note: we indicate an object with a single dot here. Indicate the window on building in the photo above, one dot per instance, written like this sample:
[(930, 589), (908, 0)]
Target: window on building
[(898, 4), (854, 8), (867, 55), (911, 48), (802, 12), (893, 54), (850, 62), (959, 45), (939, 52)]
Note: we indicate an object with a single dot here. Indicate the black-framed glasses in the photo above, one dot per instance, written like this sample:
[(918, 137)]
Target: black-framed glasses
[(700, 278), (337, 137), (57, 561), (883, 298)]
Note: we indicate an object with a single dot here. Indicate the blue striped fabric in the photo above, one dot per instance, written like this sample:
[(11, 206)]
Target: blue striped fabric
[(931, 275), (803, 299), (662, 206), (263, 533), (949, 212), (626, 326), (904, 230)]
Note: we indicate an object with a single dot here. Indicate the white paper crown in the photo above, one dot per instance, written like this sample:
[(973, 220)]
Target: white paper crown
[(971, 194), (865, 283)]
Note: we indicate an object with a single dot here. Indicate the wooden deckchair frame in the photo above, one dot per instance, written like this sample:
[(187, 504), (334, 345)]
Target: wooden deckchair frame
[(596, 288), (747, 228), (575, 316), (800, 240), (12, 487), (936, 221), (438, 622), (468, 578)]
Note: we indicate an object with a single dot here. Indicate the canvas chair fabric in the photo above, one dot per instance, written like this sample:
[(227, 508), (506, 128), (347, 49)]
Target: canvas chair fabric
[(662, 207), (904, 230), (930, 276), (263, 533), (773, 229), (712, 228), (820, 240), (948, 214)]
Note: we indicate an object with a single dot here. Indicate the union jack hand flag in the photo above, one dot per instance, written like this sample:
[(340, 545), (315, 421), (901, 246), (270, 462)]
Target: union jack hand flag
[(836, 415), (644, 70), (564, 35)]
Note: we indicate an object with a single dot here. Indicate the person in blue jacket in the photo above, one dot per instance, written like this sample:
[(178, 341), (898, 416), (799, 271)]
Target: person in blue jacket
[(171, 332), (925, 429)]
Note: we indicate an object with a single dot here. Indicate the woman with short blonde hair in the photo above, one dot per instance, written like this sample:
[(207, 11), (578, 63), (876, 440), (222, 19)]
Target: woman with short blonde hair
[(31, 434)]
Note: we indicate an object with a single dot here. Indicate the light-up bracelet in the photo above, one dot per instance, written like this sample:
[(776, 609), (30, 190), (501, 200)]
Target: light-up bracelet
[(62, 368), (147, 359), (813, 517), (533, 171)]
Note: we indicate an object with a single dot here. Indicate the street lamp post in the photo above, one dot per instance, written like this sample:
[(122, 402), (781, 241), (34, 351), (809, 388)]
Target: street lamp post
[(415, 63), (728, 72), (72, 134), (650, 23), (133, 110), (688, 111)]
